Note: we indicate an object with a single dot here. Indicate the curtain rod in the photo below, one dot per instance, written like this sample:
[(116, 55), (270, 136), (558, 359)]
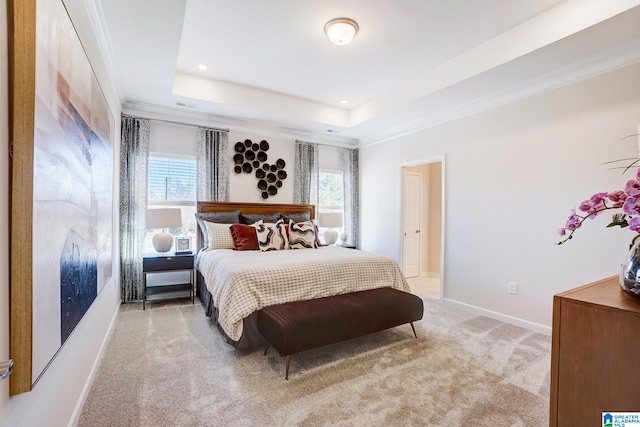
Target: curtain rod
[(177, 123)]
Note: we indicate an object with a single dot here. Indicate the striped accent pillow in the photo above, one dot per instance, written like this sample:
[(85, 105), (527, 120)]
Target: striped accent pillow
[(302, 235), (272, 237), (219, 236)]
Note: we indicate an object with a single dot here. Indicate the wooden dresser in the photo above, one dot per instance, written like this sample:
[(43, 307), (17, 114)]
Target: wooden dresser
[(595, 354)]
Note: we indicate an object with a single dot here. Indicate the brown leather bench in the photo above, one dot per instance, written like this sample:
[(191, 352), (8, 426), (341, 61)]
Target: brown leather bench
[(303, 325)]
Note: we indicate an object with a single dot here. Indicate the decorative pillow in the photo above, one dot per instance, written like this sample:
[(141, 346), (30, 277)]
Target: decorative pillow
[(302, 235), (272, 237), (245, 237), (219, 236), (318, 242), (296, 217), (231, 217), (253, 218)]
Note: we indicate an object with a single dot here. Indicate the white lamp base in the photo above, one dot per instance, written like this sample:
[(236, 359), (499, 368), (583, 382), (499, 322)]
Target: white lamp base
[(162, 242), (330, 236)]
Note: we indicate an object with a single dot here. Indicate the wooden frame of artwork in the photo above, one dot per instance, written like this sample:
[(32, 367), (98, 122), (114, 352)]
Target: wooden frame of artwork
[(61, 131), (22, 89)]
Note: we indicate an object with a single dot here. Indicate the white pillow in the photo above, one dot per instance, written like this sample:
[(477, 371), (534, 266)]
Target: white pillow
[(272, 237), (219, 236), (302, 235)]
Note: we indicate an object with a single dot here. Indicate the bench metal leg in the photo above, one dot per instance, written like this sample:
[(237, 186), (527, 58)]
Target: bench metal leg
[(413, 329), (265, 350), (286, 369)]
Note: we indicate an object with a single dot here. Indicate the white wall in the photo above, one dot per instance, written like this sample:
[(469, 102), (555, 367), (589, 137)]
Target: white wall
[(178, 138), (170, 138), (512, 174), (58, 394), (243, 186)]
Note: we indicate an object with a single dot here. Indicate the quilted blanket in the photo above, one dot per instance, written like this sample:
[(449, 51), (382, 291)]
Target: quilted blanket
[(242, 282)]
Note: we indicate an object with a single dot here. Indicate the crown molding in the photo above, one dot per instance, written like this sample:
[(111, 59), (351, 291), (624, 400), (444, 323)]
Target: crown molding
[(98, 25), (198, 118), (610, 60)]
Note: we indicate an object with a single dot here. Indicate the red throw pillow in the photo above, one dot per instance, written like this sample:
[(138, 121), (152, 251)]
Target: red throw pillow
[(244, 237)]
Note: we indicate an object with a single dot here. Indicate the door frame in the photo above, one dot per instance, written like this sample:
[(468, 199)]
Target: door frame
[(401, 195)]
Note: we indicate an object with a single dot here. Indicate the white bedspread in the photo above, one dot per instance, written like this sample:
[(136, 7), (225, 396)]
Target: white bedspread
[(242, 282)]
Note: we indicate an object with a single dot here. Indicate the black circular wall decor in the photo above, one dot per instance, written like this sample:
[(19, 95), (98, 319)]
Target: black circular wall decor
[(249, 156)]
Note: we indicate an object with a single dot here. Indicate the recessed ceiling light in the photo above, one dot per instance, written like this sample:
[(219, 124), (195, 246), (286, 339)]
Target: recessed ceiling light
[(203, 67), (341, 31), (344, 101)]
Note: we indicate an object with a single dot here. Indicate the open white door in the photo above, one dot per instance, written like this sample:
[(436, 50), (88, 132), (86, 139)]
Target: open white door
[(412, 205)]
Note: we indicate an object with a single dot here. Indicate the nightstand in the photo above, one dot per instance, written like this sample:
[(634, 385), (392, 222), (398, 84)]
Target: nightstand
[(347, 246), (157, 263)]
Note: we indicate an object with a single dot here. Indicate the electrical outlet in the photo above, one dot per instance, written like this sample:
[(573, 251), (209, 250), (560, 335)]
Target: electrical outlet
[(512, 288)]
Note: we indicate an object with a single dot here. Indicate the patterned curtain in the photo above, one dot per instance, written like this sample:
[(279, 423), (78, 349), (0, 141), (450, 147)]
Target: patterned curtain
[(306, 173), (350, 166), (212, 147), (134, 157)]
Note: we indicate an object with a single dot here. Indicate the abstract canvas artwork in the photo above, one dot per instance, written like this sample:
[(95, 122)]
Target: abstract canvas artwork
[(72, 185)]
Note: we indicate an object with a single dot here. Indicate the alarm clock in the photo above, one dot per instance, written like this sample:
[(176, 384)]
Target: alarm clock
[(183, 245)]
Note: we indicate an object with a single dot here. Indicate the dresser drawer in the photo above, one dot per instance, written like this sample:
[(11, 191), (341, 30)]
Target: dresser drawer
[(164, 263)]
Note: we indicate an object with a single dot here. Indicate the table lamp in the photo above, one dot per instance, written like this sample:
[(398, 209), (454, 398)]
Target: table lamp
[(330, 220), (163, 218)]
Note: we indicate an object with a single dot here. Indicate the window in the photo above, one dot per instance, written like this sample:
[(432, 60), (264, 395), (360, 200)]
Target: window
[(330, 195), (172, 183)]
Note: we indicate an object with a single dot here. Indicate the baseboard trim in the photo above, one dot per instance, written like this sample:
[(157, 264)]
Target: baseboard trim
[(75, 416), (499, 316), (429, 274)]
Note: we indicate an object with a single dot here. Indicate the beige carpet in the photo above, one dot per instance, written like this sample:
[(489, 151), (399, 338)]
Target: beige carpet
[(169, 366)]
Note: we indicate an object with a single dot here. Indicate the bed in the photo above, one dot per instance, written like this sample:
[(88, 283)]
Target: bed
[(234, 285)]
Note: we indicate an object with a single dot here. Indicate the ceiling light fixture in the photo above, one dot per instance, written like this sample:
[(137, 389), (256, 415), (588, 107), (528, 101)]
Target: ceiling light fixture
[(344, 101), (203, 67), (341, 31)]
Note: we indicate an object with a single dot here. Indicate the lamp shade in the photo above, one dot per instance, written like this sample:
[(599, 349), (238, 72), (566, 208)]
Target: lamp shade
[(164, 218), (330, 219)]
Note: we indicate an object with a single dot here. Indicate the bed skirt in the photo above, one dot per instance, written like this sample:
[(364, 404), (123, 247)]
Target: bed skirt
[(250, 339)]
